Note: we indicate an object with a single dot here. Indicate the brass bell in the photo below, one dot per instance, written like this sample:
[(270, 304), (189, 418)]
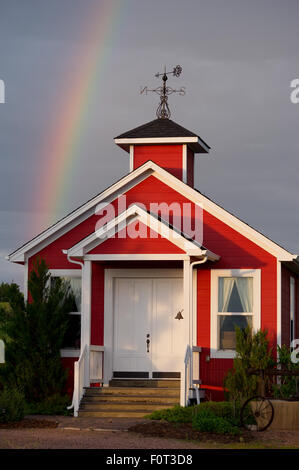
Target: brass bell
[(179, 315)]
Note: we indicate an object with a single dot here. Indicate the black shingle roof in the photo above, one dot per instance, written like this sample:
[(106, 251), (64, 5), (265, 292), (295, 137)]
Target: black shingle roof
[(157, 128)]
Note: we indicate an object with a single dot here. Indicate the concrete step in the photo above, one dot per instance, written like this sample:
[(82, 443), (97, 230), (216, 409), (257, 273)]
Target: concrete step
[(145, 391), (123, 406), (113, 414), (149, 383), (105, 397)]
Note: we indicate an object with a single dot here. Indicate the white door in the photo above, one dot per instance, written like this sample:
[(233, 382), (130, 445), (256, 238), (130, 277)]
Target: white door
[(148, 340)]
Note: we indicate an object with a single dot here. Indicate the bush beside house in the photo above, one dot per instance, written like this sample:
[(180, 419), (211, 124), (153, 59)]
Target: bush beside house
[(33, 335)]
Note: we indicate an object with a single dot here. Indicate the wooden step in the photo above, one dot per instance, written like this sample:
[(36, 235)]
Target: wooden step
[(123, 406), (145, 391), (149, 383), (104, 397), (113, 414)]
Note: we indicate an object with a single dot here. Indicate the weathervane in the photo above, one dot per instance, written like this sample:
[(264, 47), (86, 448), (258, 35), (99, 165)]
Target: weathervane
[(163, 111)]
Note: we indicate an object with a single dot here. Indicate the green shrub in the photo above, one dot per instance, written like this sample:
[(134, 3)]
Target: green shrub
[(177, 414), (53, 405), (12, 405), (180, 414), (252, 351), (36, 334), (222, 409), (206, 421), (289, 385)]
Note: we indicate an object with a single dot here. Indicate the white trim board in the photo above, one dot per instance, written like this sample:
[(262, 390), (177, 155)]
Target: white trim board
[(131, 180), (164, 140)]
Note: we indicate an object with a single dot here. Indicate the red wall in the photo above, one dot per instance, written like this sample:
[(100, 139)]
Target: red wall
[(97, 305), (121, 244), (235, 250), (68, 364), (285, 306), (190, 167), (169, 157)]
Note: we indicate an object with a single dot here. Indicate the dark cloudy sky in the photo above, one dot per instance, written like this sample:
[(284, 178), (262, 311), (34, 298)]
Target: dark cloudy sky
[(238, 59)]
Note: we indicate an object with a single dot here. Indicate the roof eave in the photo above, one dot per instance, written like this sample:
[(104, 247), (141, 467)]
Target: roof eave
[(195, 143)]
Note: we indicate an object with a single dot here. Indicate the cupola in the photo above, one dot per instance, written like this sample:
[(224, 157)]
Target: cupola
[(167, 144)]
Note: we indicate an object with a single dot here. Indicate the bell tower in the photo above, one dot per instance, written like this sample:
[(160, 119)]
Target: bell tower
[(162, 140), (167, 144)]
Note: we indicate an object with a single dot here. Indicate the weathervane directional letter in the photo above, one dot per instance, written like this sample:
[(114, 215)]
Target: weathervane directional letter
[(163, 111)]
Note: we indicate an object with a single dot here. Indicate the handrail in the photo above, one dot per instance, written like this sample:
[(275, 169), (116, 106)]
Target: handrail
[(81, 378), (188, 380)]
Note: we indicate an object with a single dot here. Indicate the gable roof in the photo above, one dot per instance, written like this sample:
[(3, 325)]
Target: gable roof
[(162, 130), (126, 183), (158, 224)]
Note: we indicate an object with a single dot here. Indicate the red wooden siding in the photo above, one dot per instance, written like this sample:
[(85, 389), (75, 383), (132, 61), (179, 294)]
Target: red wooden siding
[(97, 304), (68, 364), (169, 157), (119, 245), (285, 306), (235, 250), (190, 167)]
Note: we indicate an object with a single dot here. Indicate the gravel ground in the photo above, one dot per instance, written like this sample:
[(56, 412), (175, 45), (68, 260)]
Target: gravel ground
[(105, 433), (84, 439)]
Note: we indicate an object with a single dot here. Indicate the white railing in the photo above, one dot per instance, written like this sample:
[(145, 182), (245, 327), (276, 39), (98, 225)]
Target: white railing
[(88, 369), (190, 380), (96, 364), (81, 378)]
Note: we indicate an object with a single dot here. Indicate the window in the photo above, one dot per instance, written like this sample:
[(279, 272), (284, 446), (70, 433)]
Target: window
[(235, 301), (292, 309), (72, 338)]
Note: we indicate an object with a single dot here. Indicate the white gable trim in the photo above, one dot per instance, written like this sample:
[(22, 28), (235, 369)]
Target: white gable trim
[(131, 180), (163, 140), (132, 214), (82, 213)]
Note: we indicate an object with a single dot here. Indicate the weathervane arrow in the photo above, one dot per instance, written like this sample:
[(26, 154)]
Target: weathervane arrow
[(163, 111)]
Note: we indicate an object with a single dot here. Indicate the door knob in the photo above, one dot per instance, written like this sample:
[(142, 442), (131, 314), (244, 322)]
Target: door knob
[(148, 341)]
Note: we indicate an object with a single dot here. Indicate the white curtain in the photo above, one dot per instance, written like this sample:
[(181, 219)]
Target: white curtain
[(245, 290), (244, 286), (226, 285)]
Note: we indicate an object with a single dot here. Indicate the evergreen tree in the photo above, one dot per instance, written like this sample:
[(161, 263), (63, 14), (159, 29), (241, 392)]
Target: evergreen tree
[(252, 352), (10, 294), (36, 333)]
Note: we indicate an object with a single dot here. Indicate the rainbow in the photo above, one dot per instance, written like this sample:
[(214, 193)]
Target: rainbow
[(58, 154)]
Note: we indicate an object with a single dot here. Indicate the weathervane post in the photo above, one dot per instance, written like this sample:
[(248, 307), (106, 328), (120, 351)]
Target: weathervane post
[(163, 111)]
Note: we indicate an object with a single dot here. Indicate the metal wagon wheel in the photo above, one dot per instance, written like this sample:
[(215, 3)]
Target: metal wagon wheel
[(257, 413)]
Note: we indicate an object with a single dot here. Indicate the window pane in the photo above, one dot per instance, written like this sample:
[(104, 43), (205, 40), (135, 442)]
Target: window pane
[(75, 283), (73, 334), (235, 294), (226, 328)]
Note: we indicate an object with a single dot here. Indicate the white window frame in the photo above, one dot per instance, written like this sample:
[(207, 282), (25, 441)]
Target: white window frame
[(292, 308), (68, 352), (256, 314)]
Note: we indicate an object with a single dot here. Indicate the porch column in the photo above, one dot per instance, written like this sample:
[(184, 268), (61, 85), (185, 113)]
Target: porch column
[(86, 312), (186, 285)]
